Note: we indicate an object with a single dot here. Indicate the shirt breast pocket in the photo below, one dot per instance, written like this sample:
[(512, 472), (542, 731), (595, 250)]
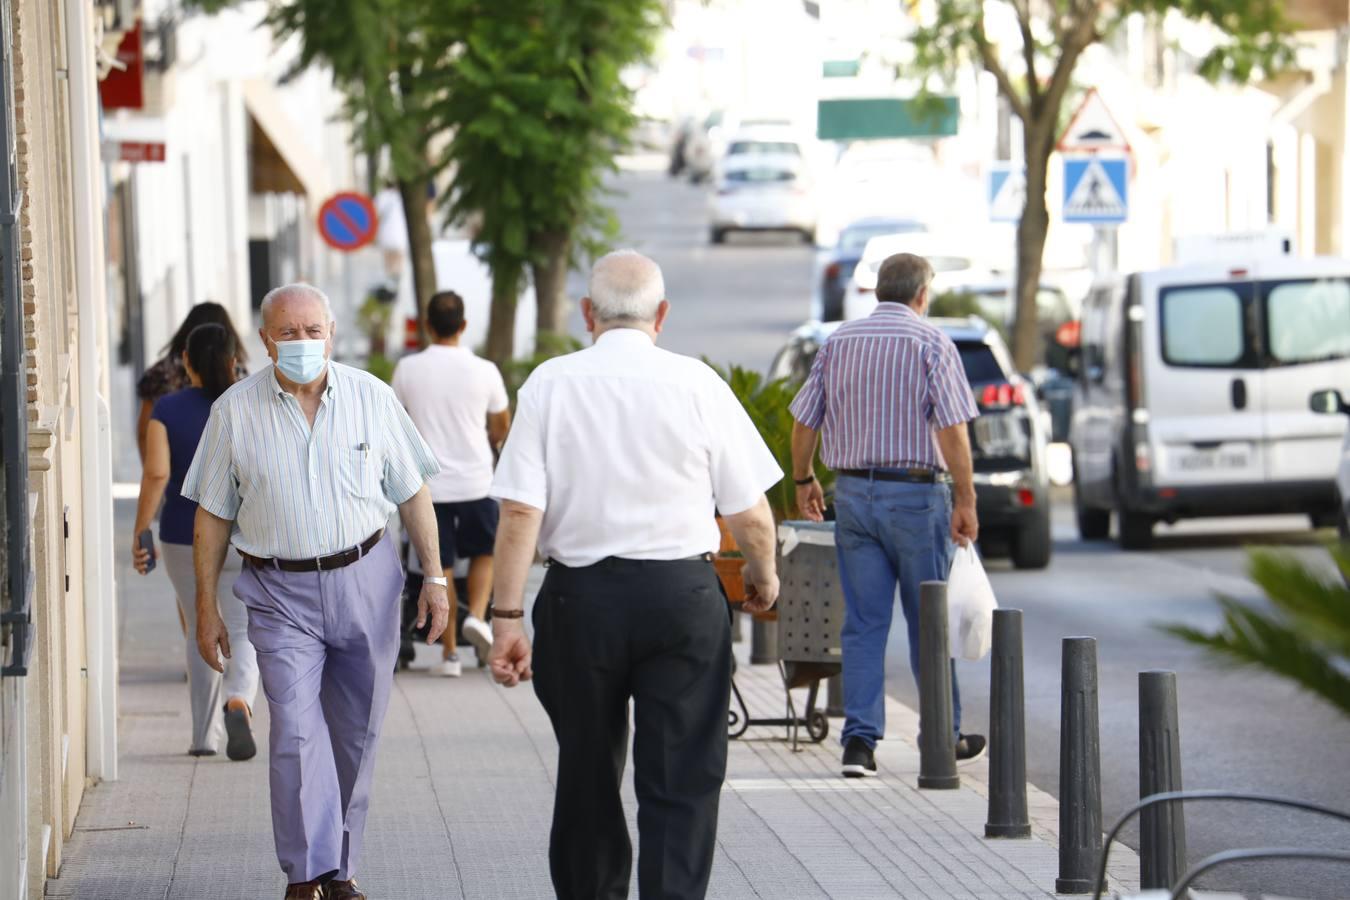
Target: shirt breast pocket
[(359, 472)]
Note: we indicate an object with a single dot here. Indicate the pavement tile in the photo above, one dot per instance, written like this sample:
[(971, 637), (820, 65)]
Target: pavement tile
[(463, 801)]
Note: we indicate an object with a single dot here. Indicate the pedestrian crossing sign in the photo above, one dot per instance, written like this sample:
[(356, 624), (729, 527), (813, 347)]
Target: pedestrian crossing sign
[(1007, 192), (1096, 189)]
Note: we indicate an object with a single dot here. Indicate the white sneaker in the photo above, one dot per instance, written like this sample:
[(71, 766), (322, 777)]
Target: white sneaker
[(449, 668), (479, 634)]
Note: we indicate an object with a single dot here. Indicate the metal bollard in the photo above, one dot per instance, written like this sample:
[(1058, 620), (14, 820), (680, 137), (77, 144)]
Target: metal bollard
[(1162, 828), (1080, 769), (937, 735), (1007, 732), (834, 697), (763, 642)]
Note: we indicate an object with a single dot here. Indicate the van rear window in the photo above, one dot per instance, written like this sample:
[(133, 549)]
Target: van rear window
[(1203, 326), (1308, 321)]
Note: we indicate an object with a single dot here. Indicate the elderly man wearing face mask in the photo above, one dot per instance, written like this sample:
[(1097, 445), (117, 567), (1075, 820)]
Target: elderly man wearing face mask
[(300, 467)]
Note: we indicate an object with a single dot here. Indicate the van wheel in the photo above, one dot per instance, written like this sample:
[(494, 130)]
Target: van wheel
[(1031, 544), (1093, 524), (1136, 530), (717, 236), (1325, 519)]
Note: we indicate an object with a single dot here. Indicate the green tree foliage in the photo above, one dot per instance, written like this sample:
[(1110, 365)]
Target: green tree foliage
[(382, 58), (538, 111), (1305, 637), (1036, 73), (522, 102)]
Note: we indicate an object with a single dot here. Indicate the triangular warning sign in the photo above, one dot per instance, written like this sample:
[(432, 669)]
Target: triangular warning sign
[(1092, 128), (1094, 196), (1007, 204)]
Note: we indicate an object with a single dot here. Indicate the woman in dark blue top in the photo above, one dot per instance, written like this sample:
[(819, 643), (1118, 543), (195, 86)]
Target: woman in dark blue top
[(176, 425)]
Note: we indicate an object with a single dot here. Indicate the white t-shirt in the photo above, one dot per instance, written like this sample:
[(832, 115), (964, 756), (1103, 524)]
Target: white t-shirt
[(629, 450), (449, 393)]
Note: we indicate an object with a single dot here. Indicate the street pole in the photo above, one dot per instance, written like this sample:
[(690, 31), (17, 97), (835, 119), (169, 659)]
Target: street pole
[(937, 734), (1080, 769)]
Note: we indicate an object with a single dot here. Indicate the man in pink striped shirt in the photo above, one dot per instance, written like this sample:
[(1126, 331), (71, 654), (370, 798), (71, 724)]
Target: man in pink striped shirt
[(888, 399)]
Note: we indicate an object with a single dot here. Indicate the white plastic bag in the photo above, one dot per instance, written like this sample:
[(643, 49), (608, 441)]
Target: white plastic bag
[(970, 606)]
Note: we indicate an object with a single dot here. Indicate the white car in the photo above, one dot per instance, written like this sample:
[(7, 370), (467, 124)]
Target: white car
[(763, 193), (948, 254)]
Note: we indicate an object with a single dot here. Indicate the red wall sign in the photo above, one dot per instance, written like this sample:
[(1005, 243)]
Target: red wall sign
[(125, 89), (140, 151)]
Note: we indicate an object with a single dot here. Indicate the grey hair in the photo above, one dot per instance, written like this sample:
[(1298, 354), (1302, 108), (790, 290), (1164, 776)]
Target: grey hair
[(300, 289), (901, 277), (626, 286)]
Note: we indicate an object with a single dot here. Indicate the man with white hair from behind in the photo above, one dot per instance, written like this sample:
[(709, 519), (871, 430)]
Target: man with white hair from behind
[(617, 460)]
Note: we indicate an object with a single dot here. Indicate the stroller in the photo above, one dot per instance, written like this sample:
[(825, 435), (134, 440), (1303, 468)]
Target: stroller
[(409, 633)]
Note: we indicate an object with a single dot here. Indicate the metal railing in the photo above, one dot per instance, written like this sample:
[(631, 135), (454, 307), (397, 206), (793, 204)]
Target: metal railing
[(1227, 856)]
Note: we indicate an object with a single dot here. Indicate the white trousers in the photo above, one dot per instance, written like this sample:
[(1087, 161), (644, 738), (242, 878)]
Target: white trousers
[(208, 689)]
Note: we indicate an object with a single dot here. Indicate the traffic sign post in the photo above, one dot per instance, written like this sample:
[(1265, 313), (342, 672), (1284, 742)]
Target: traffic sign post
[(1096, 189), (1007, 192), (347, 221)]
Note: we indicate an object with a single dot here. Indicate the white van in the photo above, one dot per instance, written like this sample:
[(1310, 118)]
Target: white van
[(1192, 389)]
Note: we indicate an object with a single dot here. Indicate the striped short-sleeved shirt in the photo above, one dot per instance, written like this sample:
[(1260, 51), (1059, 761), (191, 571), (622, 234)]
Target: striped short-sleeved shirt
[(294, 492), (881, 387)]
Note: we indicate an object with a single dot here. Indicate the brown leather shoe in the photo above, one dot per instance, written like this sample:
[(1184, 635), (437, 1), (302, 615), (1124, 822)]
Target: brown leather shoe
[(305, 890), (344, 890)]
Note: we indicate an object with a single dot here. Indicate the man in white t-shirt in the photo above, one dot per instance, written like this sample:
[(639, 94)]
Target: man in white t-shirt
[(458, 402)]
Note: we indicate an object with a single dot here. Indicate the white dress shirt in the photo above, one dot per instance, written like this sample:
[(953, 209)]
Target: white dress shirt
[(449, 393), (629, 450), (296, 492)]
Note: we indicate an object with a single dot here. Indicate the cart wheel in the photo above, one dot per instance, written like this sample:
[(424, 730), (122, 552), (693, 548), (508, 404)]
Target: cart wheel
[(817, 726)]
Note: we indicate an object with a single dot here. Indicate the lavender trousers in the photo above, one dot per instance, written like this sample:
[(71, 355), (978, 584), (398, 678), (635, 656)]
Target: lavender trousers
[(327, 644)]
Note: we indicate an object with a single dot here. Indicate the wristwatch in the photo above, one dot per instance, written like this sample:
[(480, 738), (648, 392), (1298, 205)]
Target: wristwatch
[(802, 482), (436, 579)]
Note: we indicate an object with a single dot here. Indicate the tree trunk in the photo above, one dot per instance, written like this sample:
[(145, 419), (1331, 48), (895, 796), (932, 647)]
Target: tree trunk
[(413, 191), (501, 338), (1031, 234), (552, 249)]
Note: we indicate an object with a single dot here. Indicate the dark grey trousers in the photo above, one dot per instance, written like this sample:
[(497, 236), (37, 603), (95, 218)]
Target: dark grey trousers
[(658, 633)]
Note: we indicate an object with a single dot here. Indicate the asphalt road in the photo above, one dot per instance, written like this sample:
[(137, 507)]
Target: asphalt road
[(1239, 729)]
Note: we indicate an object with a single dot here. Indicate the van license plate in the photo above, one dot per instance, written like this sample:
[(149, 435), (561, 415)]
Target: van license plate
[(1230, 458)]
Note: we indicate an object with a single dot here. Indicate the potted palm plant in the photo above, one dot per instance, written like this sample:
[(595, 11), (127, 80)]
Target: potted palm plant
[(766, 402)]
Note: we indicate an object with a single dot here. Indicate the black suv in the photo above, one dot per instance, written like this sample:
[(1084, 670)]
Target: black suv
[(1008, 440)]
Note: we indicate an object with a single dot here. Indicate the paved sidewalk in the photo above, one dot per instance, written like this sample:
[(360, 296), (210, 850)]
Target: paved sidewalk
[(463, 799)]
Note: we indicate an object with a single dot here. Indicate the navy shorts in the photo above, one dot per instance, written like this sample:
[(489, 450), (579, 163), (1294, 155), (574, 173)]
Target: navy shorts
[(467, 529)]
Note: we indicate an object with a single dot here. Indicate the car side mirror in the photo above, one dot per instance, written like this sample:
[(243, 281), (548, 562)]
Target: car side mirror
[(1328, 402)]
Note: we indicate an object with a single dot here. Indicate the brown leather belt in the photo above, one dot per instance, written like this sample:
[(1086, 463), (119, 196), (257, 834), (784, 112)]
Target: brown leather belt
[(318, 563)]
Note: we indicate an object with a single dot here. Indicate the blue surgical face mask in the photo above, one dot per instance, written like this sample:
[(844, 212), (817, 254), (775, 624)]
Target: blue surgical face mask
[(302, 361)]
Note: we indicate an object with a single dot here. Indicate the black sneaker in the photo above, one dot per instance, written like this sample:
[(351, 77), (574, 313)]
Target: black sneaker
[(858, 760), (970, 747)]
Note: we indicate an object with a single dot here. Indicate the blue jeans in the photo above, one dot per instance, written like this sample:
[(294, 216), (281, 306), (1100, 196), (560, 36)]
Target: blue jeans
[(886, 532)]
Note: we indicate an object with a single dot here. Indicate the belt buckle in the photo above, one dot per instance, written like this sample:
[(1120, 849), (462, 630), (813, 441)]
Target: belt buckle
[(318, 564)]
